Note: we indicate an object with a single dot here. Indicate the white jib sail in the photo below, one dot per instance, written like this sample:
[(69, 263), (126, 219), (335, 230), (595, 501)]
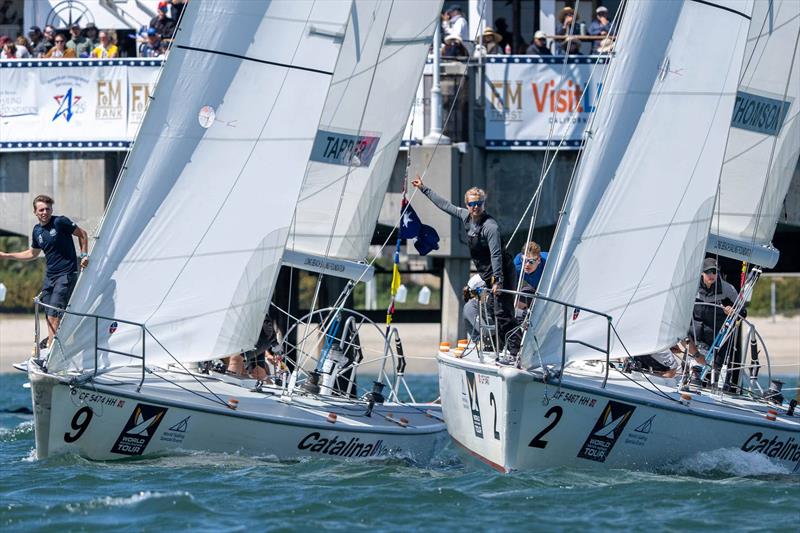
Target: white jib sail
[(764, 139), (193, 237), (631, 241), (365, 114)]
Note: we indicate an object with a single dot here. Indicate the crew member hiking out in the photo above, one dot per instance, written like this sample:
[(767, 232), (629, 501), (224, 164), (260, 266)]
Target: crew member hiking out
[(53, 235), (486, 249)]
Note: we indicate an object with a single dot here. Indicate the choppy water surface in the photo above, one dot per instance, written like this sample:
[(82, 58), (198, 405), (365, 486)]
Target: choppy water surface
[(728, 488)]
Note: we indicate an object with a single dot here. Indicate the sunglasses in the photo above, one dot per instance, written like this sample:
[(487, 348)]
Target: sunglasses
[(710, 271), (532, 261), (477, 203), (59, 41)]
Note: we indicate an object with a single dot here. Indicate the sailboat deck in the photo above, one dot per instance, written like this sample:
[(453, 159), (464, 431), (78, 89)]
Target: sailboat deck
[(194, 391)]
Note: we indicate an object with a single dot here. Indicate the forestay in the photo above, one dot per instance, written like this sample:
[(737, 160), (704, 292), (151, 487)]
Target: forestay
[(365, 114), (193, 236), (764, 139), (632, 238)]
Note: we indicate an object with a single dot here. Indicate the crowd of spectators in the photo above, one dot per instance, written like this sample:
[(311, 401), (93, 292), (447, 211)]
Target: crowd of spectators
[(572, 36), (89, 42)]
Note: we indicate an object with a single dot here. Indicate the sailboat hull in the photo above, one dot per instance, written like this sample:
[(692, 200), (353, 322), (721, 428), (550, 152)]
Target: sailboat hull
[(511, 420), (103, 422)]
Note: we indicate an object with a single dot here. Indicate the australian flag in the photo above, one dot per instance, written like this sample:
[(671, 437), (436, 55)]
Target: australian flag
[(411, 227)]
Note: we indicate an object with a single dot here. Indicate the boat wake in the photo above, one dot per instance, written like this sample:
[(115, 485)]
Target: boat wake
[(21, 431), (725, 463)]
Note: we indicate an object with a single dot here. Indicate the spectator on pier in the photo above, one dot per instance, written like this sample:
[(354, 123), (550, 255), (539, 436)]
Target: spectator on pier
[(453, 47), (39, 44), (454, 23), (78, 42), (23, 47), (163, 25), (568, 29), (539, 45), (91, 33), (490, 44), (177, 9), (60, 49), (501, 27), (9, 49), (106, 48), (54, 235), (153, 46), (600, 27)]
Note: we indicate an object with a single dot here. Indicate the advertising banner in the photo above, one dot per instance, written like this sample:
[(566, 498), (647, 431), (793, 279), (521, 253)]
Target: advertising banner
[(51, 105), (536, 102)]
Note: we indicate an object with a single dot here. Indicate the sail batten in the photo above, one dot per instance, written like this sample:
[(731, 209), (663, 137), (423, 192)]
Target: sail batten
[(631, 240)]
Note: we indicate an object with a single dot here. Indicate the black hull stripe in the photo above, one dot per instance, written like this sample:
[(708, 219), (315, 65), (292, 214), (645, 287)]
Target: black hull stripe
[(712, 4), (263, 61)]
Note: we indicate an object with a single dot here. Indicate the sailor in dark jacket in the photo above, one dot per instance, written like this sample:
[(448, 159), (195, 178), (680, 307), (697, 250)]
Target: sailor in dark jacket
[(486, 249), (707, 319)]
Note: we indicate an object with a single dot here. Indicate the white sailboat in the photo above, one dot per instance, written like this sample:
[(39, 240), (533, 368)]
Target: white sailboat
[(623, 270), (186, 260)]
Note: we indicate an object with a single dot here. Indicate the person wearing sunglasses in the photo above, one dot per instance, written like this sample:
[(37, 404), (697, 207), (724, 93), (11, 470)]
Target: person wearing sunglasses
[(60, 49), (488, 253)]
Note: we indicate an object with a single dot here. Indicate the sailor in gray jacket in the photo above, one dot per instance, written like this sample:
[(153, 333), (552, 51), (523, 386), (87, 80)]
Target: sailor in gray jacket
[(707, 319), (486, 249)]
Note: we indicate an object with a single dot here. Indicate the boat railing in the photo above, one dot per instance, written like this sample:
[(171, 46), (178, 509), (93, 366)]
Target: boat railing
[(97, 348), (750, 341), (566, 307)]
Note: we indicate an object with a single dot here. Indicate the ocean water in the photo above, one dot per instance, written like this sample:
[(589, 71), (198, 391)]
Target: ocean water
[(211, 492)]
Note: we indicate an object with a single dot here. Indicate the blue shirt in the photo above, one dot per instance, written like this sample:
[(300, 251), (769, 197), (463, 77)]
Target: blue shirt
[(534, 277), (55, 240)]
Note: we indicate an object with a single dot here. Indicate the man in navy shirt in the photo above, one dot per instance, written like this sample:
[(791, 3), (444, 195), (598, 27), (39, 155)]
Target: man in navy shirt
[(53, 235)]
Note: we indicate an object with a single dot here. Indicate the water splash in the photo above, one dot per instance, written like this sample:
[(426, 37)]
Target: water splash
[(727, 462), (21, 431), (127, 501)]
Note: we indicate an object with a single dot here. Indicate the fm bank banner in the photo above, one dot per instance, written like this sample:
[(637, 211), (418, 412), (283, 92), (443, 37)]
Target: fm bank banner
[(52, 105), (527, 95)]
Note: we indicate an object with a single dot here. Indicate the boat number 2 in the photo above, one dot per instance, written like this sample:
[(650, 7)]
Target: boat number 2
[(79, 423), (538, 441), (493, 403)]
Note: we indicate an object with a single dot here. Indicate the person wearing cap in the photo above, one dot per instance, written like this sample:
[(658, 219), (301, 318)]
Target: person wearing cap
[(713, 304), (539, 45), (490, 43), (454, 23), (489, 256), (152, 47), (39, 45), (163, 25), (78, 42), (453, 47), (600, 27), (60, 50), (568, 29)]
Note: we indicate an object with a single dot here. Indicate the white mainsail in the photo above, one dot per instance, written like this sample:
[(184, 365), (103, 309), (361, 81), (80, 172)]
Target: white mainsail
[(631, 241), (764, 139), (192, 240), (366, 112)]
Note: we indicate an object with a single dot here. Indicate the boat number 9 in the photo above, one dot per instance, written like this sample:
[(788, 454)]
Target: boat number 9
[(538, 441), (79, 423)]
